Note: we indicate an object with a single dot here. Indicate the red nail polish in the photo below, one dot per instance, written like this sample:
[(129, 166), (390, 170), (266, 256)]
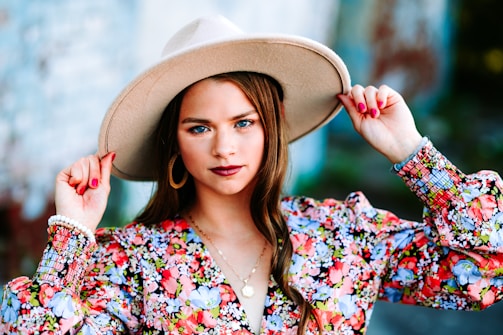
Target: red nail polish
[(94, 182), (379, 103), (373, 112), (113, 156), (81, 190), (361, 107)]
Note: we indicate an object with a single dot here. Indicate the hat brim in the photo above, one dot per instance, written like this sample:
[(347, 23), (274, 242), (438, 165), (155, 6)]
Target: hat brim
[(310, 74)]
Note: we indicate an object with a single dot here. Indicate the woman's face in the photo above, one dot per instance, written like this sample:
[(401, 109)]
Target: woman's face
[(221, 138)]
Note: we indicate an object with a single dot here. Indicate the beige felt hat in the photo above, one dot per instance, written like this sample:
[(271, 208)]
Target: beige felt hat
[(310, 74)]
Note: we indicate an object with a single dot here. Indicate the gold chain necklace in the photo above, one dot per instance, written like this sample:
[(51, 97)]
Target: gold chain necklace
[(247, 290)]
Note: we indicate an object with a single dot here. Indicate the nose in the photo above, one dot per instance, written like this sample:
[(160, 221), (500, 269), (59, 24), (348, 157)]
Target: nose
[(224, 144)]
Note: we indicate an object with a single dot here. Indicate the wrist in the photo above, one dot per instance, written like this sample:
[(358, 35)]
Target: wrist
[(405, 148), (398, 166)]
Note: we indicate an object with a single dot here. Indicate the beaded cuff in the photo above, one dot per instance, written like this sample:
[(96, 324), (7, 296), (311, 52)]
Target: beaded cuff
[(71, 224)]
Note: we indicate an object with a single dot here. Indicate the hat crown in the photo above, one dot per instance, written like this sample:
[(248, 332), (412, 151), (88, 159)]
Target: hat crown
[(310, 74), (201, 31)]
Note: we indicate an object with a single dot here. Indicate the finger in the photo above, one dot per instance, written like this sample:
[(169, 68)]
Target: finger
[(357, 92), (371, 101), (106, 167), (74, 173), (79, 175), (347, 102), (94, 172), (382, 96), (351, 109)]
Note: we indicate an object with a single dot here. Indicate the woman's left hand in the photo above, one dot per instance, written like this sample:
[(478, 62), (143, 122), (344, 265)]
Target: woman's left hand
[(383, 119)]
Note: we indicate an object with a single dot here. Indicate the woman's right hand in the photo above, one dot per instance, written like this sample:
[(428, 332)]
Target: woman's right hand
[(82, 189)]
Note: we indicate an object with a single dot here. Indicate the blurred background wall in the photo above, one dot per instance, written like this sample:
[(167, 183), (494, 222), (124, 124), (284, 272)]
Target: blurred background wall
[(62, 63)]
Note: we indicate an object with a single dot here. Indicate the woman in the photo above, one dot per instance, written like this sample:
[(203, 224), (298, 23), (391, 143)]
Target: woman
[(216, 250)]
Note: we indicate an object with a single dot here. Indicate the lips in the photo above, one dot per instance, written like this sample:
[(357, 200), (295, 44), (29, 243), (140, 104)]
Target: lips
[(226, 170)]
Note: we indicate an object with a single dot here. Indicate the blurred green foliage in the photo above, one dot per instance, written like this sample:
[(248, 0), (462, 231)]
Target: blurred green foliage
[(466, 123), (472, 108)]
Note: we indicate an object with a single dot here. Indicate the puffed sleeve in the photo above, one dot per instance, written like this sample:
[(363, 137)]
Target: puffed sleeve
[(79, 288), (452, 260)]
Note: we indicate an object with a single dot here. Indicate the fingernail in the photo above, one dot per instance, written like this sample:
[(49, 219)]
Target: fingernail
[(373, 112), (361, 107), (94, 182), (379, 103), (81, 190), (113, 156)]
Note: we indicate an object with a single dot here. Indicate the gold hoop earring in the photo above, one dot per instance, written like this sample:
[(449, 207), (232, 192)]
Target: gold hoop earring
[(172, 182)]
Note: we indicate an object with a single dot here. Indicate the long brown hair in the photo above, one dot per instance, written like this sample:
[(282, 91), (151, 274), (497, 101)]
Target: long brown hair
[(266, 95)]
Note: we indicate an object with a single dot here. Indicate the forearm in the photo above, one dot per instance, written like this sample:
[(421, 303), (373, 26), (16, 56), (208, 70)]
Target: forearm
[(49, 302), (65, 259), (466, 207)]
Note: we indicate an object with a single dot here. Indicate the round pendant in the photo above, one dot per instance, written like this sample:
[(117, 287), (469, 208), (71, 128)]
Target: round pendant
[(247, 291)]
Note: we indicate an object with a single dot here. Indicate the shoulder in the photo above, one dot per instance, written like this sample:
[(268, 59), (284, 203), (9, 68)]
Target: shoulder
[(138, 237), (355, 212), (325, 209)]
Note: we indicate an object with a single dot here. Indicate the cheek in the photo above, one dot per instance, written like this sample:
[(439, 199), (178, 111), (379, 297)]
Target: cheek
[(196, 156), (187, 152), (191, 157), (255, 149)]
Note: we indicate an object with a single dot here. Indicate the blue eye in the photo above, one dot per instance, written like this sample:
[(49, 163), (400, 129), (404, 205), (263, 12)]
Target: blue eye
[(198, 129), (244, 123)]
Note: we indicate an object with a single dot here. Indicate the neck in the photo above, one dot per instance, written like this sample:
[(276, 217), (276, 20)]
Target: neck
[(219, 214)]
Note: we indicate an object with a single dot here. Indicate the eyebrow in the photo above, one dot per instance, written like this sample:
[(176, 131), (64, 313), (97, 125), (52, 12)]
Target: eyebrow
[(198, 120)]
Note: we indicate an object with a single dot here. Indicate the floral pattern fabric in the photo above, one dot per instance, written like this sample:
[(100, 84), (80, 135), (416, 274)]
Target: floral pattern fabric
[(347, 254)]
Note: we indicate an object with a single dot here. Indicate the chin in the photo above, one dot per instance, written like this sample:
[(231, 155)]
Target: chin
[(235, 191), (231, 192)]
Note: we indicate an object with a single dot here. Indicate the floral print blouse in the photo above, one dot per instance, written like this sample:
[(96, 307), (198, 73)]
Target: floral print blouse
[(347, 254)]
